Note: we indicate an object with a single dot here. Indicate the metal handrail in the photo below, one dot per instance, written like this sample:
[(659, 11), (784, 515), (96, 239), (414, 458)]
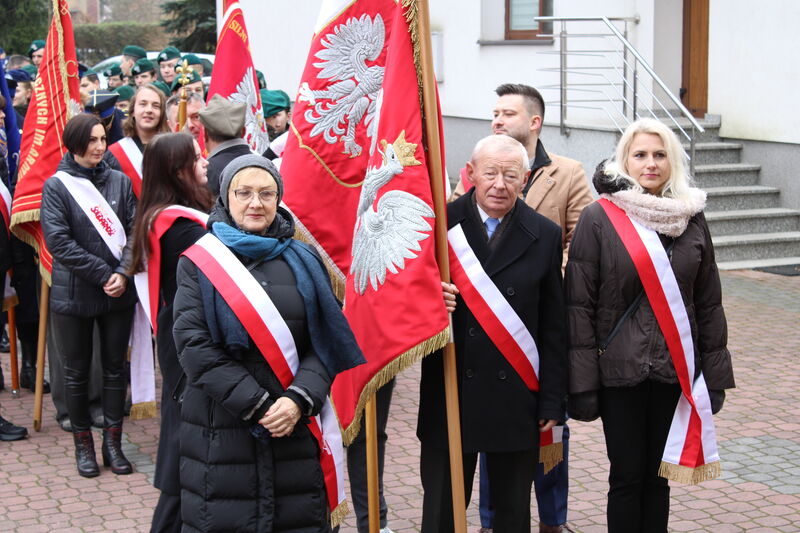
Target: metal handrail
[(638, 62)]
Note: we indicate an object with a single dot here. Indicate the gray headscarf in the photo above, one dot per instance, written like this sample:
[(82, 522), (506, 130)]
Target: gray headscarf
[(242, 162)]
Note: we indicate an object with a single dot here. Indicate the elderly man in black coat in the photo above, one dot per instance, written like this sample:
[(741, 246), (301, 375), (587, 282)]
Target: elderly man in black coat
[(223, 121), (520, 251)]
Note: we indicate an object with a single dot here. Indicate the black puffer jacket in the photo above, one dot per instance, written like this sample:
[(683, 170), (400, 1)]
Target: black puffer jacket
[(601, 282), (82, 263), (229, 480)]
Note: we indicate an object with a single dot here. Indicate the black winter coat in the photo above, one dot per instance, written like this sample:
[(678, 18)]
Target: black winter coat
[(498, 411), (229, 480), (82, 263), (218, 162), (181, 235), (601, 282)]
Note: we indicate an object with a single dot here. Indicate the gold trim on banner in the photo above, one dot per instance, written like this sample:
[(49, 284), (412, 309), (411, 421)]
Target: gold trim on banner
[(385, 374), (339, 514), (551, 455), (143, 410), (304, 146)]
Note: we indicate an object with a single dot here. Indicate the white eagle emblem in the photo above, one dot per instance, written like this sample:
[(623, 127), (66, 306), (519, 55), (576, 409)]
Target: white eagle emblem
[(254, 125), (385, 238), (338, 109)]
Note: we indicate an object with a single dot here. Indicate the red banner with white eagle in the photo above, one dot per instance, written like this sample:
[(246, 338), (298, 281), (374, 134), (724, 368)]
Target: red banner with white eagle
[(54, 101), (356, 178), (234, 76)]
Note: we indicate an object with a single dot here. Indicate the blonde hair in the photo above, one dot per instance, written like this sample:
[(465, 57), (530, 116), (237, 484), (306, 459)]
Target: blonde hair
[(679, 182)]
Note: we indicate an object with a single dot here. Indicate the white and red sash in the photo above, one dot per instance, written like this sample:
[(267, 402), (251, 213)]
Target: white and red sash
[(130, 159), (148, 283), (503, 326), (111, 230), (9, 294), (690, 455), (254, 309)]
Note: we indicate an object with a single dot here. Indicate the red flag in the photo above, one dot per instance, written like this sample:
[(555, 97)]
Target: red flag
[(234, 75), (357, 180), (54, 101)]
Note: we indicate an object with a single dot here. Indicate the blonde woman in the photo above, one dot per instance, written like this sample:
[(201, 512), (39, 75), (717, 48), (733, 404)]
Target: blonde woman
[(623, 354)]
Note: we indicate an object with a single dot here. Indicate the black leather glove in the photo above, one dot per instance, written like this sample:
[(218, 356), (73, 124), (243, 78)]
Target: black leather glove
[(584, 406), (717, 399)]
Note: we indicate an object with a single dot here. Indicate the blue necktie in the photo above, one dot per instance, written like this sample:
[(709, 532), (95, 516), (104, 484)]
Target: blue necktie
[(491, 225)]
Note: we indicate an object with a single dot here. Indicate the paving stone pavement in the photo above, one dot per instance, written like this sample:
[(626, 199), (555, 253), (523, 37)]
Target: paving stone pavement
[(758, 431)]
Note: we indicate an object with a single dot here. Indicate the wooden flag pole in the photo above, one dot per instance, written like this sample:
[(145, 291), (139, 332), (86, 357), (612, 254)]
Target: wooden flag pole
[(434, 159), (373, 497), (12, 342), (44, 308)]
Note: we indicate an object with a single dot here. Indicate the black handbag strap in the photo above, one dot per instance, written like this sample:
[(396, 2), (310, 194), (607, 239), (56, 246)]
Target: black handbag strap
[(629, 311)]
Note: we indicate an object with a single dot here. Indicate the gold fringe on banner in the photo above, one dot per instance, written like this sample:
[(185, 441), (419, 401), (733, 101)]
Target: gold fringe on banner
[(301, 233), (412, 13), (400, 363), (143, 410), (10, 302), (339, 514), (689, 475), (551, 455)]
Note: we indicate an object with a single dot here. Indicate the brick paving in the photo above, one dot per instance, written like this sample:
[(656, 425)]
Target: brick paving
[(758, 430)]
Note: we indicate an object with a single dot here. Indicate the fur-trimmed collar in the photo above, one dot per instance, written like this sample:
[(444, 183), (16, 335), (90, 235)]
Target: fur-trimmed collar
[(667, 216)]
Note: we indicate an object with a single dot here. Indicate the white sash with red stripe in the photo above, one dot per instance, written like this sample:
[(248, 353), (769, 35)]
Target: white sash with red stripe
[(255, 310), (130, 159), (502, 324), (148, 283), (111, 230), (690, 455)]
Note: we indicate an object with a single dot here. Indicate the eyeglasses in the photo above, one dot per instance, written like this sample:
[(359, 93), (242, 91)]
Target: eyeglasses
[(246, 195)]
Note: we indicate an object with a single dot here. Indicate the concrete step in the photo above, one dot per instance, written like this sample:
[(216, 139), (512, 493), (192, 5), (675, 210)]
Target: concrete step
[(746, 197), (769, 220), (757, 246), (711, 127), (713, 153), (726, 174), (758, 263)]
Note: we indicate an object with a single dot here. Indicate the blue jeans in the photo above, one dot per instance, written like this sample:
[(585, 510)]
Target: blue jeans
[(551, 490)]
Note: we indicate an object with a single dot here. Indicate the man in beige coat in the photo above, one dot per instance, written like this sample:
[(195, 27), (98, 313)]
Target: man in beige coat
[(557, 188)]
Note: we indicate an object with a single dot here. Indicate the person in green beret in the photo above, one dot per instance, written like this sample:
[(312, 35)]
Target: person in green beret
[(277, 111), (89, 81), (130, 55), (195, 85), (125, 93), (262, 81), (163, 87), (36, 52), (195, 62), (113, 76), (167, 60), (144, 72)]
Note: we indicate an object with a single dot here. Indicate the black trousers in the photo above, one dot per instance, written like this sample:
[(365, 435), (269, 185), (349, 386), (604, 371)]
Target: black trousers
[(73, 336), (636, 422), (357, 461), (510, 481)]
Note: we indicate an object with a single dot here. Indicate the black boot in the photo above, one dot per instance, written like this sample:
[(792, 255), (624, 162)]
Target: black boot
[(112, 451), (10, 432), (27, 376), (84, 454)]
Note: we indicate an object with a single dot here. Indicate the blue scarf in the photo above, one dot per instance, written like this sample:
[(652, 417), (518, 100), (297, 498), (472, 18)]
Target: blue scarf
[(331, 337)]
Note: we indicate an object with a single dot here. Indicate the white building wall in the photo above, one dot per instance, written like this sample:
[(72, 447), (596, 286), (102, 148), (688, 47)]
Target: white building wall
[(754, 69)]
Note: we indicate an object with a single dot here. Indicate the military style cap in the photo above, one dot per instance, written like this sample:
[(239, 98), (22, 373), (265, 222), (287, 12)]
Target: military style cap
[(262, 81), (194, 78), (125, 93), (142, 66), (134, 51), (38, 44), (163, 87), (86, 72), (274, 102), (32, 70), (19, 74), (192, 59), (224, 117), (170, 52), (102, 103), (113, 70)]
